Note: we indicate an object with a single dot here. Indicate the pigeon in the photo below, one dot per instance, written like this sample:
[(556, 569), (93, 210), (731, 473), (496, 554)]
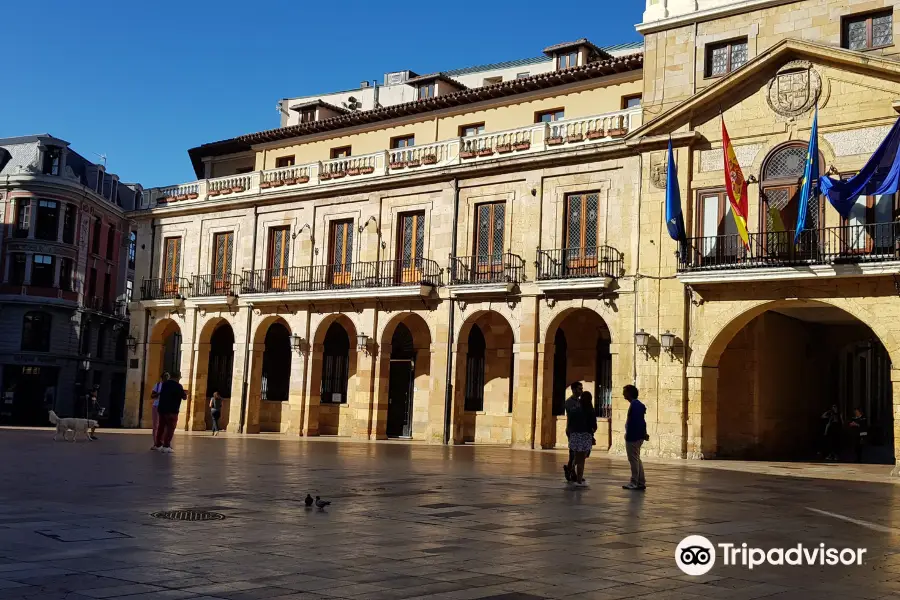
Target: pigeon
[(321, 503), (308, 501)]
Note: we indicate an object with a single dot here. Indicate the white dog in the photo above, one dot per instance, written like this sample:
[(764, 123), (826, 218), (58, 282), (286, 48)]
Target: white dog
[(72, 424)]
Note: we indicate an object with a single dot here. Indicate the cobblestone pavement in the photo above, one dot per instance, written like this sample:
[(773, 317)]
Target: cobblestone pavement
[(410, 521)]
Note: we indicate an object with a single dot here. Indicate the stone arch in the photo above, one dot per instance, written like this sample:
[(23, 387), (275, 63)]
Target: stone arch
[(163, 353), (196, 410), (263, 414), (755, 356), (484, 395), (326, 417), (425, 403)]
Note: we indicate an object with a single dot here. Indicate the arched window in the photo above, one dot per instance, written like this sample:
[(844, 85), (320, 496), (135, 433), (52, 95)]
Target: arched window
[(475, 370), (560, 358), (221, 361), (782, 173), (36, 331), (335, 365), (276, 367)]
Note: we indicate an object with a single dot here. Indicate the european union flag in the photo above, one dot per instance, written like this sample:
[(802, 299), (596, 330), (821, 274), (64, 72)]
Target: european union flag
[(807, 189), (880, 176), (674, 216)]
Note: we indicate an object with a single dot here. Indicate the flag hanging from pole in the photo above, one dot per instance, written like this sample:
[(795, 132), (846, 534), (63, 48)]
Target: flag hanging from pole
[(674, 215), (735, 186), (807, 189)]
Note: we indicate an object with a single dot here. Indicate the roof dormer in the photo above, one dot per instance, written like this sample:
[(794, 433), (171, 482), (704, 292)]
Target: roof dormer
[(434, 85), (575, 54), (317, 110)]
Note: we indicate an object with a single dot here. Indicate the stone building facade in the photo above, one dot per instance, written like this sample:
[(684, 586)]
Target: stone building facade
[(468, 276), (67, 255)]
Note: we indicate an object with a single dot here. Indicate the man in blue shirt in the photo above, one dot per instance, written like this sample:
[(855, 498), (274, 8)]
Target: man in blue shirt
[(635, 436)]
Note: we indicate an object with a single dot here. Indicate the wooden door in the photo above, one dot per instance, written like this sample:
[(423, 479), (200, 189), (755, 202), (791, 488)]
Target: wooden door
[(172, 265), (223, 247), (490, 220), (781, 203), (340, 251), (411, 247), (582, 218), (870, 228), (279, 247)]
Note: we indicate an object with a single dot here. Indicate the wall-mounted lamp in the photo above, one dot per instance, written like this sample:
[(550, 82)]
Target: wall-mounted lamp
[(641, 339), (371, 219), (364, 343), (667, 341), (299, 344), (131, 343)]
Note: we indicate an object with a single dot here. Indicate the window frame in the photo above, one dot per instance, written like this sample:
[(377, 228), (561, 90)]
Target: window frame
[(65, 274), (110, 242), (555, 114), (868, 18), (570, 59), (407, 141), (17, 274), (729, 67), (462, 129), (287, 160), (43, 220), (43, 343), (45, 259), (132, 249), (70, 223), (95, 238), (627, 98), (307, 115), (427, 90), (52, 160), (22, 227), (341, 152)]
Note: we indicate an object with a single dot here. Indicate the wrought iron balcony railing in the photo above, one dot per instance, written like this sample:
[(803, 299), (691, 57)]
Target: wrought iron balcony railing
[(165, 288), (216, 285), (487, 268), (873, 242), (375, 274), (580, 263)]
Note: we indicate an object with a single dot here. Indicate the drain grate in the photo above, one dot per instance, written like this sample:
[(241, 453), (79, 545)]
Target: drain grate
[(188, 515)]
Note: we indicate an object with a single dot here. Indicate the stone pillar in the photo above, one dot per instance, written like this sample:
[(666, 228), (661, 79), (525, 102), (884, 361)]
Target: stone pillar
[(29, 259), (61, 214), (197, 420), (363, 408), (254, 387), (458, 406), (526, 395), (310, 426), (437, 397), (895, 390), (292, 422), (380, 393), (185, 379), (57, 265), (543, 412), (701, 412)]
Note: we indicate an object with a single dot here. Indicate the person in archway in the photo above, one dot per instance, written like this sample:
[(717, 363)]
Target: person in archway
[(581, 423), (154, 409), (569, 468), (171, 394), (832, 433), (859, 428), (635, 436), (215, 410)]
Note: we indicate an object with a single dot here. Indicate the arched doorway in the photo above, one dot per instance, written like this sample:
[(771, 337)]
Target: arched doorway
[(784, 369), (163, 356), (401, 383), (335, 365), (580, 352), (276, 364), (221, 361), (484, 402)]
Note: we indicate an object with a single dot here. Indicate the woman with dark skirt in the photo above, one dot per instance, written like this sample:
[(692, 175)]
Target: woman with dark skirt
[(581, 424)]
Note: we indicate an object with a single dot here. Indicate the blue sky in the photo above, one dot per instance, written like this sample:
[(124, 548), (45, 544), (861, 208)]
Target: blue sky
[(144, 81)]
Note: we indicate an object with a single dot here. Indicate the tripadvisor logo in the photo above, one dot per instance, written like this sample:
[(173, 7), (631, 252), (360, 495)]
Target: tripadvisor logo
[(696, 555)]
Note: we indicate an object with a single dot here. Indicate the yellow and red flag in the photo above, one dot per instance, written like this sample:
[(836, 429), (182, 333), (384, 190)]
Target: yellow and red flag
[(735, 186)]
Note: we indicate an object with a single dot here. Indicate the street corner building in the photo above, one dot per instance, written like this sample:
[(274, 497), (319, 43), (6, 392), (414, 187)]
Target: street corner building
[(67, 255), (437, 257)]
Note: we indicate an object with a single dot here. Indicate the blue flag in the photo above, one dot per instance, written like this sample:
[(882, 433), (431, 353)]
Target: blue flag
[(674, 216), (807, 188), (881, 175)]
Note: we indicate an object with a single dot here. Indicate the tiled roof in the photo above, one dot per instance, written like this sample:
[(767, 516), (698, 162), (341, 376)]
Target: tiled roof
[(601, 68), (524, 62), (550, 50)]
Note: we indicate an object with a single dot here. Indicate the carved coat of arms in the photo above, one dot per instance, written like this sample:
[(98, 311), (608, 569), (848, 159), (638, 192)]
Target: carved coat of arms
[(795, 89), (658, 172)]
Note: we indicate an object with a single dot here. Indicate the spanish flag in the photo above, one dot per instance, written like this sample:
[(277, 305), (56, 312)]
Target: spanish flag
[(735, 186)]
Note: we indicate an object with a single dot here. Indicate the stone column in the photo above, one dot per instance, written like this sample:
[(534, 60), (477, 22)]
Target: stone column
[(363, 409), (60, 217), (525, 392), (254, 387), (380, 392), (895, 389), (458, 406), (29, 259), (199, 380), (701, 412), (292, 422), (310, 426), (543, 413)]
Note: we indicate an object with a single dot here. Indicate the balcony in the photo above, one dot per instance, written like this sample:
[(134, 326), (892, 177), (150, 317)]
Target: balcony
[(572, 269), (529, 140), (165, 291), (210, 286), (486, 274), (849, 250), (378, 279)]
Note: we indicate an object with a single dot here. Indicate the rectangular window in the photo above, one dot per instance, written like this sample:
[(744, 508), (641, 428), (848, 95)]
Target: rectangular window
[(278, 257), (110, 242), (17, 268), (92, 284), (470, 130), (171, 264), (340, 251), (426, 91), (86, 340), (129, 290), (490, 220), (95, 241), (404, 141), (632, 101), (70, 217), (411, 246), (47, 226), (342, 152), (716, 226), (223, 248), (864, 32), (308, 115), (870, 224), (36, 332), (42, 270), (567, 61), (284, 161), (65, 274), (582, 220), (52, 155), (23, 218), (105, 292), (549, 116), (132, 249), (724, 57)]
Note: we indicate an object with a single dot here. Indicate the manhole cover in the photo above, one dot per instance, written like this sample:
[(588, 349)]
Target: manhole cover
[(188, 515)]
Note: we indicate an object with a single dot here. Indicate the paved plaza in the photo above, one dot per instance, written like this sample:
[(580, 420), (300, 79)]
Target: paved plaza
[(411, 521)]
